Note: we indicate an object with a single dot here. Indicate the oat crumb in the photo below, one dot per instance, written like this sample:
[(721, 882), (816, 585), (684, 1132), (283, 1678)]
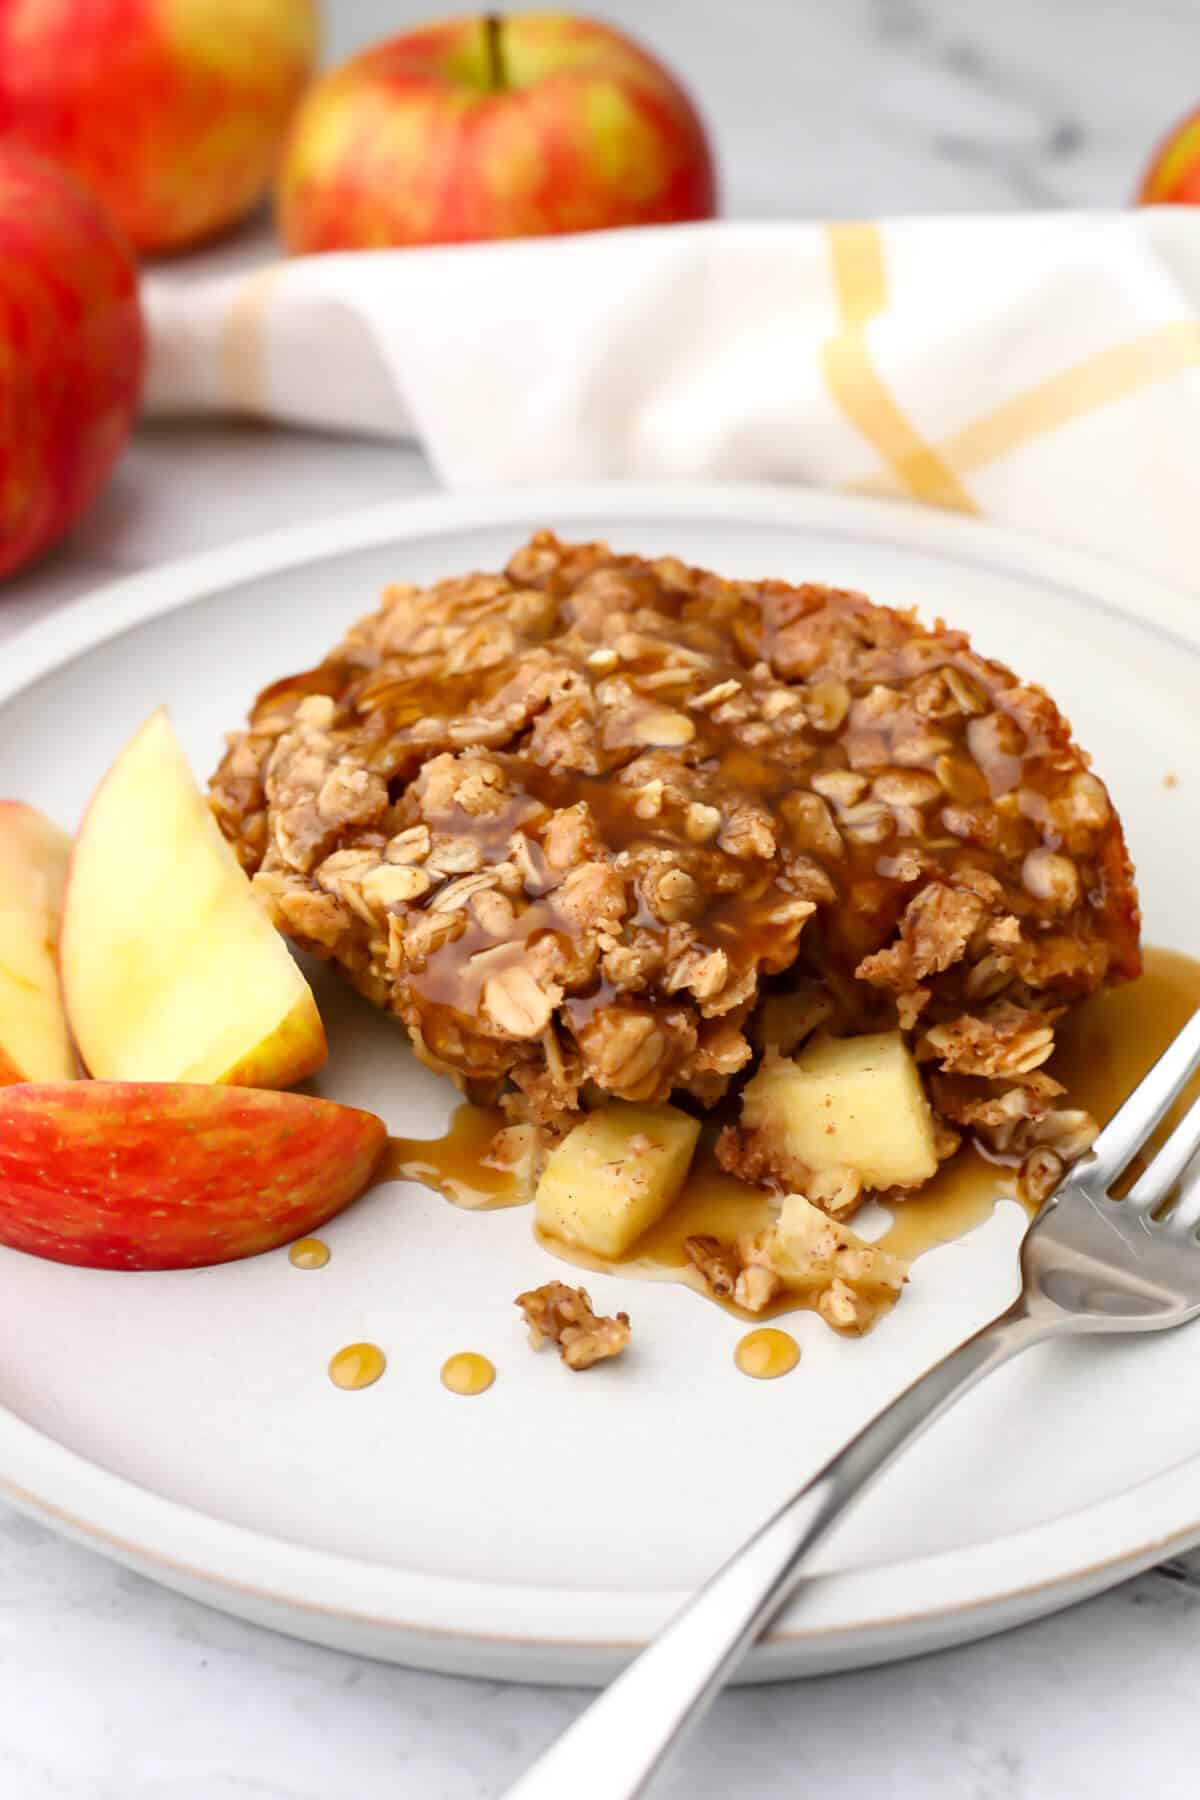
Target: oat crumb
[(562, 1315)]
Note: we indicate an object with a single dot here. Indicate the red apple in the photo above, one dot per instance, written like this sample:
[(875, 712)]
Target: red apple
[(134, 1175), (1173, 177), (492, 127), (71, 352), (172, 111)]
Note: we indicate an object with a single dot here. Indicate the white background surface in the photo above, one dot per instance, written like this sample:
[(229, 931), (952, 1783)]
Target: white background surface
[(112, 1688)]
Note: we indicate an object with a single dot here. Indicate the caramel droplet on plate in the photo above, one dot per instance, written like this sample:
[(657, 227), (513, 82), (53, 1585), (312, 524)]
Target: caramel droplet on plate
[(766, 1353), (468, 1373), (308, 1253), (357, 1366)]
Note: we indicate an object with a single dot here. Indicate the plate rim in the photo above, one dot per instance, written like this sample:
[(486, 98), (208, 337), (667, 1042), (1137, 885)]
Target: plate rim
[(849, 1616)]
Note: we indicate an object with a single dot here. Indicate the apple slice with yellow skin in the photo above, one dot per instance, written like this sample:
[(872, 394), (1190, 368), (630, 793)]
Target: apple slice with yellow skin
[(171, 971), (148, 1175), (35, 1044)]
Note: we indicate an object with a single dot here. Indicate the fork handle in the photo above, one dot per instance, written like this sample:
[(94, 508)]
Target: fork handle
[(613, 1750)]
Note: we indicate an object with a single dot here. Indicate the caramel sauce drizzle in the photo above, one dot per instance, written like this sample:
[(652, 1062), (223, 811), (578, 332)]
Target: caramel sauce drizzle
[(767, 1354), (357, 1366), (961, 1196), (1107, 1045), (456, 1165), (309, 1253), (468, 1373)]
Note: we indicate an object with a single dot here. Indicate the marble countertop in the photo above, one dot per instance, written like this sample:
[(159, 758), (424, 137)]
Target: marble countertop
[(112, 1688)]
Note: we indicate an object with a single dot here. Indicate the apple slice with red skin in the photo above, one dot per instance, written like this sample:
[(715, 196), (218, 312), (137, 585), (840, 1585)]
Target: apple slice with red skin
[(146, 1175)]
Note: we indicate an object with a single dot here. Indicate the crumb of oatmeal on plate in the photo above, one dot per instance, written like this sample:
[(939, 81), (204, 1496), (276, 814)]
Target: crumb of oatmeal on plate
[(562, 1315), (845, 1279)]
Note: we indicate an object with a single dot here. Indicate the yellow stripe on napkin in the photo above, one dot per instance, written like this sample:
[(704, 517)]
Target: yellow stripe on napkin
[(860, 282), (1109, 375), (1098, 381), (243, 365)]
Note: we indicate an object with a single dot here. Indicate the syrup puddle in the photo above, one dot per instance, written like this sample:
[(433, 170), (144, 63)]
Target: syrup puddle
[(961, 1196), (456, 1165)]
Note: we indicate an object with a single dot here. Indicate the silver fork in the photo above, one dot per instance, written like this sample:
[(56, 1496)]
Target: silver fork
[(1088, 1262)]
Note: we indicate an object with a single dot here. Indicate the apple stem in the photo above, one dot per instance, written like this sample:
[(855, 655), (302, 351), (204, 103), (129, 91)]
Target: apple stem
[(497, 74)]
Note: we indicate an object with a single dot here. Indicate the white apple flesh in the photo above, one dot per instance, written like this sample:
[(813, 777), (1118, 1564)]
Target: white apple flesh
[(35, 1044), (171, 970)]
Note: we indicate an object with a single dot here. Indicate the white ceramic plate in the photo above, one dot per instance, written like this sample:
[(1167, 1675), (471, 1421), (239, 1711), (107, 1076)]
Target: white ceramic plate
[(184, 1423)]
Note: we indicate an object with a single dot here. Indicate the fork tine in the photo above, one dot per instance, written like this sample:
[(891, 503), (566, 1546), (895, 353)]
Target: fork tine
[(1153, 1186), (1185, 1214), (1146, 1107)]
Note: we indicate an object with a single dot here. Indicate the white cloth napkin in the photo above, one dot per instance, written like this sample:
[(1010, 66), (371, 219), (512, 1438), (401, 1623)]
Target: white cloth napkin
[(1042, 370)]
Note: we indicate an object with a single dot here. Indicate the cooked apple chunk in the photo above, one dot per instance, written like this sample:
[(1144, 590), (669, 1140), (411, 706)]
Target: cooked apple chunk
[(615, 1175), (844, 1103)]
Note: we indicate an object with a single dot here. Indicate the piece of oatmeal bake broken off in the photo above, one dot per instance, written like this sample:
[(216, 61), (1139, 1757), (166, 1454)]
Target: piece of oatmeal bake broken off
[(562, 1315), (571, 823)]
